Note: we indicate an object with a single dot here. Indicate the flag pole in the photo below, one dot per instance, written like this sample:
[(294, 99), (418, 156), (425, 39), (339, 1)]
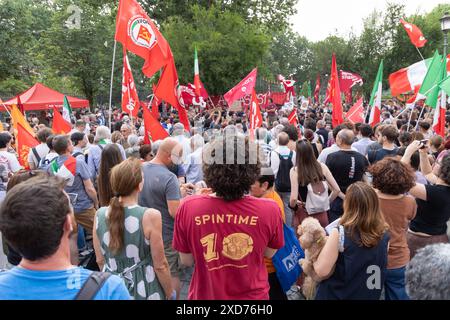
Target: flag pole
[(419, 53), (111, 86), (6, 108)]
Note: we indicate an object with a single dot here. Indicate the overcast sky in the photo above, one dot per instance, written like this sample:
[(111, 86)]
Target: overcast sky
[(316, 19)]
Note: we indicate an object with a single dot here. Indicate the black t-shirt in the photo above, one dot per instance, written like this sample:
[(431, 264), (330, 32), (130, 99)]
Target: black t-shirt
[(433, 214), (347, 167)]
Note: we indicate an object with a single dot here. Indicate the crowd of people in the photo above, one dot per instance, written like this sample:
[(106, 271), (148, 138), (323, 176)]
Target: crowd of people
[(213, 200)]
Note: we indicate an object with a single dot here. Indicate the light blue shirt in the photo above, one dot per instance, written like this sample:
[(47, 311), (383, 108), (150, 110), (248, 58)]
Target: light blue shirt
[(94, 157), (23, 284), (362, 145), (193, 166)]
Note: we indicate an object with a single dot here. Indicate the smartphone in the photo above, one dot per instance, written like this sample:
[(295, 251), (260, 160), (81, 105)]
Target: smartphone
[(423, 144)]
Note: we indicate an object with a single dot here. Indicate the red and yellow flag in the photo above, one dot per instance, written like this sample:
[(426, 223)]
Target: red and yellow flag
[(25, 141), (18, 118)]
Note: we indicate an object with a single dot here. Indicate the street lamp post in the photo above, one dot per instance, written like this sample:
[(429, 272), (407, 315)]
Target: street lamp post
[(445, 27)]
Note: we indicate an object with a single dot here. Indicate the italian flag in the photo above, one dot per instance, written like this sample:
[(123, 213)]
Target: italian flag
[(411, 78), (67, 111), (437, 100), (197, 82), (375, 98), (429, 81), (66, 171)]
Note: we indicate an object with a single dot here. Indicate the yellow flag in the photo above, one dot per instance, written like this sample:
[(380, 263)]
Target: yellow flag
[(1, 127), (17, 117)]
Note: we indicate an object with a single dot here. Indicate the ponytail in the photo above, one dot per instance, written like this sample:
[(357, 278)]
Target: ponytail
[(116, 221)]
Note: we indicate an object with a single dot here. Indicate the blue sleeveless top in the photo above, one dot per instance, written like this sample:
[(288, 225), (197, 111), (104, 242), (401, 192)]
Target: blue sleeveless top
[(359, 273)]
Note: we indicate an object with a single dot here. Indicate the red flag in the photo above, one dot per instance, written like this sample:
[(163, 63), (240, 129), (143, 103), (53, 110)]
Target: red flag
[(167, 90), (414, 33), (335, 94), (293, 117), (317, 89), (347, 80), (130, 99), (155, 104), (203, 93), (255, 113), (153, 129), (356, 113), (25, 141), (138, 34), (60, 125), (242, 88), (289, 88)]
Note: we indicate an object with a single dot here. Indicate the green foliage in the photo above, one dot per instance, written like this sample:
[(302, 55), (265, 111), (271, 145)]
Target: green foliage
[(228, 47)]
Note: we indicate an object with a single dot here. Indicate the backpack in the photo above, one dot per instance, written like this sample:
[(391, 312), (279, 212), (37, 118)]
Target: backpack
[(76, 154), (283, 180), (317, 200)]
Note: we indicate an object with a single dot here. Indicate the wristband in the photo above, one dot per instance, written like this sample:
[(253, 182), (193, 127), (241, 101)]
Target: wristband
[(173, 296)]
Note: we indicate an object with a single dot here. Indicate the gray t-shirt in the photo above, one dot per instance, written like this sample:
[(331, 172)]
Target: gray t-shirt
[(83, 201), (160, 186)]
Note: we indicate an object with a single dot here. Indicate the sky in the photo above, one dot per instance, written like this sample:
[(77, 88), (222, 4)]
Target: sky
[(316, 19)]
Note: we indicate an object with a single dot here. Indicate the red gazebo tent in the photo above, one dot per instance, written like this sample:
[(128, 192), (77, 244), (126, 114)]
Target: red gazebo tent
[(40, 97)]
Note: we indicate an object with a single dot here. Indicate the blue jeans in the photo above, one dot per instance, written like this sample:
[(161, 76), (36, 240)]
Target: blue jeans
[(81, 242), (394, 285)]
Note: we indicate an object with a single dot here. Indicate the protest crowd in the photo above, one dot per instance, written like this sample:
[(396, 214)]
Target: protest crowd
[(138, 203)]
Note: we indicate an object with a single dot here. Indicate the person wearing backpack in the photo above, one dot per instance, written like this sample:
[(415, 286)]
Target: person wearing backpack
[(45, 161), (282, 159), (310, 182), (45, 271), (37, 153), (79, 141)]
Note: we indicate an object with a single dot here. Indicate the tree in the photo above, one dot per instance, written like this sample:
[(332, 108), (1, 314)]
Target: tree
[(228, 47)]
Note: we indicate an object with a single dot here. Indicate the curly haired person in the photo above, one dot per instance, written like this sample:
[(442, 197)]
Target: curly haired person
[(392, 179)]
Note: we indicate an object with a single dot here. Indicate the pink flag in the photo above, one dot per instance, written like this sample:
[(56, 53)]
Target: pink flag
[(243, 88)]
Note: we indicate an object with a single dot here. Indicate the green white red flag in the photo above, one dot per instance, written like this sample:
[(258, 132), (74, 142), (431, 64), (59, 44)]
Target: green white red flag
[(375, 98), (197, 82)]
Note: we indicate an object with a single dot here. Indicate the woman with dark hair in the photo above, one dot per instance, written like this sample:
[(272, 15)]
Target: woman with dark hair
[(317, 147), (111, 156), (292, 132), (128, 238), (392, 179), (433, 201), (310, 170), (355, 250)]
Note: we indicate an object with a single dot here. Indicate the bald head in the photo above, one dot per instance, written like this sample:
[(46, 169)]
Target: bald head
[(168, 151), (345, 138), (283, 139)]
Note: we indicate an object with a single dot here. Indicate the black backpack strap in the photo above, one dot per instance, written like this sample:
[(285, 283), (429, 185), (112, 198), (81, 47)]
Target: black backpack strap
[(291, 154), (36, 154), (92, 285), (76, 154)]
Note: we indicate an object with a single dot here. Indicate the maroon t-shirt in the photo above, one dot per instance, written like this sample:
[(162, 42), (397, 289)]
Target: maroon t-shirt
[(228, 240)]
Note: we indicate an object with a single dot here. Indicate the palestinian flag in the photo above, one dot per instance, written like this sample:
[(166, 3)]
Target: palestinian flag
[(66, 171), (375, 97)]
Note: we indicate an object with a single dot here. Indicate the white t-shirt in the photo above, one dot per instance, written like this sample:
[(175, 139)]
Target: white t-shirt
[(10, 160), (42, 150)]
